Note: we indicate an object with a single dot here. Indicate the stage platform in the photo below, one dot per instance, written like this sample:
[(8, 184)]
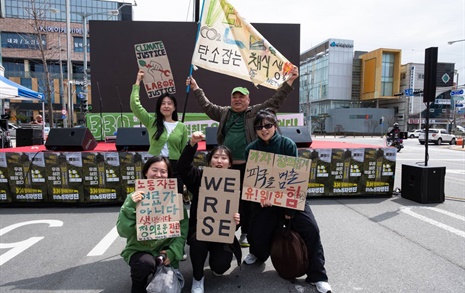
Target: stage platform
[(32, 174)]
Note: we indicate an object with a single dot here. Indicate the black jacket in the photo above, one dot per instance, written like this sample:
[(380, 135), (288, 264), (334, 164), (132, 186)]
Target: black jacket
[(191, 177)]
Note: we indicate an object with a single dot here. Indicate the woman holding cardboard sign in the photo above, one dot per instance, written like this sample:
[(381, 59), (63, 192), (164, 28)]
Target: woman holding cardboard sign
[(141, 255), (167, 135), (267, 218), (220, 253)]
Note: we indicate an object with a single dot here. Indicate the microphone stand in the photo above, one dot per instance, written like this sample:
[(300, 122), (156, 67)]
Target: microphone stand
[(101, 113), (120, 105)]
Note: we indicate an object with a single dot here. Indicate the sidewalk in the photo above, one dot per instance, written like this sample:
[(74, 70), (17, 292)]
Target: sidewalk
[(456, 147)]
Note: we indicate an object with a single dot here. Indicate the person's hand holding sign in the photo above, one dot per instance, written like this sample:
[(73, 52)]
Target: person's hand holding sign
[(294, 74), (137, 196), (237, 218), (265, 203), (140, 77), (196, 137)]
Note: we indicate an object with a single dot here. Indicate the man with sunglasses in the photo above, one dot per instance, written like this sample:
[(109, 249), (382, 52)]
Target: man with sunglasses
[(236, 128)]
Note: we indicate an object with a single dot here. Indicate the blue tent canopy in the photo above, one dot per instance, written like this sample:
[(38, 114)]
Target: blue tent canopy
[(12, 90)]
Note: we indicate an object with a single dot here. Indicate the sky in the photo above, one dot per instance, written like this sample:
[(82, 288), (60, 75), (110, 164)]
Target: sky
[(409, 25)]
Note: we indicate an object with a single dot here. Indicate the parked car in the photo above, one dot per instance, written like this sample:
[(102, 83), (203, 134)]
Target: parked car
[(414, 133), (437, 136)]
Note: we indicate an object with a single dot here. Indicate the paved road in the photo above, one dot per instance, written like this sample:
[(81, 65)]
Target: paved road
[(371, 245)]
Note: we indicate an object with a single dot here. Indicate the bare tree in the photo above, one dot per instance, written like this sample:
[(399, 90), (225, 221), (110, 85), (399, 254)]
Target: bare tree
[(320, 120), (37, 10), (371, 125)]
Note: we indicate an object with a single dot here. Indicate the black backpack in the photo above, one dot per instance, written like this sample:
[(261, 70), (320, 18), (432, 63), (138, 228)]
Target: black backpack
[(289, 253)]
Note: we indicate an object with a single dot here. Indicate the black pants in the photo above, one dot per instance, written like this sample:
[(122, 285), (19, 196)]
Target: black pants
[(220, 259), (142, 266), (245, 206), (264, 223)]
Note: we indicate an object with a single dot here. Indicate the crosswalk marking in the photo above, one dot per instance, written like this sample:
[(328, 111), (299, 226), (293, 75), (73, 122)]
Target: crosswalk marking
[(105, 243), (409, 211)]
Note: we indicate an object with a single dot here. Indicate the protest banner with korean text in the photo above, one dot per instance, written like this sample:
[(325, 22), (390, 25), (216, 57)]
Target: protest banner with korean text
[(161, 209), (219, 197), (230, 45), (283, 180)]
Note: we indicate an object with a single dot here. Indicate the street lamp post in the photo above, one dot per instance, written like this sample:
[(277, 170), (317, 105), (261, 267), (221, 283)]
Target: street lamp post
[(69, 64), (454, 117), (84, 17), (451, 42), (62, 98), (68, 51)]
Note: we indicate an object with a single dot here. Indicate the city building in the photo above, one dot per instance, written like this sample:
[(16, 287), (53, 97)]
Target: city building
[(34, 31), (326, 78), (380, 90), (412, 109)]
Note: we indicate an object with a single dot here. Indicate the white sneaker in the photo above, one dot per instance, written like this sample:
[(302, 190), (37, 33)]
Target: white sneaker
[(243, 240), (322, 287), (197, 286), (250, 259)]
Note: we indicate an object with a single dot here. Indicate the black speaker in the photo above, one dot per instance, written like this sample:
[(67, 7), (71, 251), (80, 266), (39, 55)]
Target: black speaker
[(423, 184), (431, 67), (210, 137), (28, 136), (70, 139), (299, 134), (4, 124), (132, 139)]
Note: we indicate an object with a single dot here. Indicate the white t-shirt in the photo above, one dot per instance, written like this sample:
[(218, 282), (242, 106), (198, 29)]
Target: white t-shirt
[(169, 128)]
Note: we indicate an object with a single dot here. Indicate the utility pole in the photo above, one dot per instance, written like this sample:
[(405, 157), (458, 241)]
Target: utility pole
[(70, 65), (62, 98)]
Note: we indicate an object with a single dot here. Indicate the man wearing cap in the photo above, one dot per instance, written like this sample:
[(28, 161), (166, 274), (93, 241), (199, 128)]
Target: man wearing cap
[(236, 129)]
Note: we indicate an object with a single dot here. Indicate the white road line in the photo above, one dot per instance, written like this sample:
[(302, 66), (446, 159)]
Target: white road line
[(106, 242), (434, 160), (18, 247), (408, 211)]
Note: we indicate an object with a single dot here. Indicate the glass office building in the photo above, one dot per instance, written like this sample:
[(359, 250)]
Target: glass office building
[(326, 77)]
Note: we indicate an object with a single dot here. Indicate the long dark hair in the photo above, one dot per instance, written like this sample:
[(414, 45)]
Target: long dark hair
[(268, 114), (156, 159), (215, 150), (159, 116)]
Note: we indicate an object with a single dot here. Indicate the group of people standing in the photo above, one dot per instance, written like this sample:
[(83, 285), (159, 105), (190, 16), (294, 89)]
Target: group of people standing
[(242, 128)]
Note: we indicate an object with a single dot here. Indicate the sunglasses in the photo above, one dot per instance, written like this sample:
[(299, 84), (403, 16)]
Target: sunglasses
[(266, 126)]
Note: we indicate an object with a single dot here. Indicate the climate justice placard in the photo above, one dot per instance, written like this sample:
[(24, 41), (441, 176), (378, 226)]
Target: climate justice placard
[(153, 60)]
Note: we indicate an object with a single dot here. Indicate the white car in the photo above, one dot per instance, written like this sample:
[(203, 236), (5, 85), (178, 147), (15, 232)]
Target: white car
[(437, 136), (414, 133)]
